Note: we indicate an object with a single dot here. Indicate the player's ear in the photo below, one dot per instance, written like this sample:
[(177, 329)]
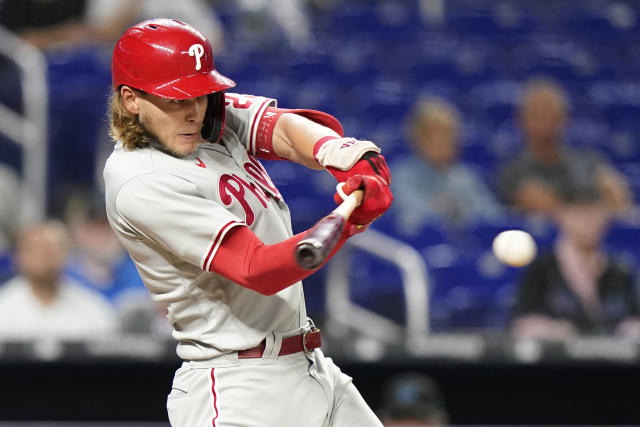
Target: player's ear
[(130, 99)]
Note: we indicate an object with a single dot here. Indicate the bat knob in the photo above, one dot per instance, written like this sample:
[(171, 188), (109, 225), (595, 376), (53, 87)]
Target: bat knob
[(309, 255)]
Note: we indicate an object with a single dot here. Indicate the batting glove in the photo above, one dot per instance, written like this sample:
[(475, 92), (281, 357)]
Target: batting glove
[(371, 163), (345, 157), (377, 197), (351, 229)]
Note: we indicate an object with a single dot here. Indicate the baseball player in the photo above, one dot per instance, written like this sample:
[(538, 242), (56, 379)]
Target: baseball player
[(211, 235)]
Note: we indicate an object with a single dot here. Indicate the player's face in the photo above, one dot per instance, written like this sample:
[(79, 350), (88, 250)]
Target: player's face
[(175, 123), (585, 224), (438, 143), (42, 254), (543, 117)]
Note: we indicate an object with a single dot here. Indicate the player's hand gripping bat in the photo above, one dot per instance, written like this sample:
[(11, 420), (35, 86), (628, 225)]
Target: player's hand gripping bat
[(320, 240)]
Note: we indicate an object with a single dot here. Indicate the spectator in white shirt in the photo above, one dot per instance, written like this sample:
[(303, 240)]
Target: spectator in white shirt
[(40, 303)]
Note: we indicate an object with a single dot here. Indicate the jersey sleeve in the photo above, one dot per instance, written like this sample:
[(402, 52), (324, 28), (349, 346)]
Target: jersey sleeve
[(243, 116), (171, 212)]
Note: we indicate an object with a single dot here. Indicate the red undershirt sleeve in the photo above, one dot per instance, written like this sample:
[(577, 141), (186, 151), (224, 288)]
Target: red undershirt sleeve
[(264, 136), (267, 269)]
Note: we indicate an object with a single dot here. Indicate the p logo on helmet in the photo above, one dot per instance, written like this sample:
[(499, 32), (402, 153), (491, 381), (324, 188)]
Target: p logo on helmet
[(197, 50)]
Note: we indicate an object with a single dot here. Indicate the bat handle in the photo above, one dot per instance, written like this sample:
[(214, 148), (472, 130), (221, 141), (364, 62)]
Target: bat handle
[(349, 202), (311, 252)]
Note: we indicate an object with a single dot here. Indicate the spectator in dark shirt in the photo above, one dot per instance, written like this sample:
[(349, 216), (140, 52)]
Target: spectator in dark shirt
[(534, 181), (578, 287), (46, 23)]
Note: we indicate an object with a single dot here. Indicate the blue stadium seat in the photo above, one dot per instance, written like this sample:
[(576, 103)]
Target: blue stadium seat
[(377, 286), (471, 65), (459, 299), (305, 67), (501, 306), (473, 292), (603, 21), (623, 143), (505, 21), (7, 268), (384, 21), (444, 89), (428, 234), (79, 83), (622, 239), (495, 100)]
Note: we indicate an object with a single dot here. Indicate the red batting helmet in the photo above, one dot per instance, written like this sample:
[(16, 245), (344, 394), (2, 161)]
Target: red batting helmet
[(170, 59)]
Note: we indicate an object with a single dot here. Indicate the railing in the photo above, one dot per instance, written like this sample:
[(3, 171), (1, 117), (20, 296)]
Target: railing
[(343, 313), (28, 130)]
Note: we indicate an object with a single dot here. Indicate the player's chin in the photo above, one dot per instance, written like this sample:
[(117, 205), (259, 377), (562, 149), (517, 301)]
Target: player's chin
[(186, 144)]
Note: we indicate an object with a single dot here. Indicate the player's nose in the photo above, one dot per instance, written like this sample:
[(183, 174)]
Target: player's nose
[(194, 108)]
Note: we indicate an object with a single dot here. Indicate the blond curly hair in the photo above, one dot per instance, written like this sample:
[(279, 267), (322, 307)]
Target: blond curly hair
[(125, 126)]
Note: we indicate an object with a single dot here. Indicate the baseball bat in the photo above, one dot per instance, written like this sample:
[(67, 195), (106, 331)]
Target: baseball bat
[(311, 251)]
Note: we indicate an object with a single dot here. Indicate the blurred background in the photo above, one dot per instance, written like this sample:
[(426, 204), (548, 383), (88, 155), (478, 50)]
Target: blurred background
[(492, 115)]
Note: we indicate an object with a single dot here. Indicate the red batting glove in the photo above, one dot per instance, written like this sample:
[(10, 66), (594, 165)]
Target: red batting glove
[(351, 229), (371, 163), (377, 197)]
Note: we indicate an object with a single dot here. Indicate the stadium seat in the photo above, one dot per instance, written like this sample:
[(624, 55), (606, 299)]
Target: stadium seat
[(79, 83), (495, 100), (622, 239), (458, 297), (377, 286), (7, 269), (505, 21), (602, 21)]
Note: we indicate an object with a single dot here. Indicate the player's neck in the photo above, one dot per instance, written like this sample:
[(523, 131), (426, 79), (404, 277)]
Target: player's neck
[(45, 291)]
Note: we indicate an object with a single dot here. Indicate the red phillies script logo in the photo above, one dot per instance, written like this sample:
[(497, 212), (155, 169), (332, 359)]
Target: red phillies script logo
[(200, 163), (257, 172), (233, 187)]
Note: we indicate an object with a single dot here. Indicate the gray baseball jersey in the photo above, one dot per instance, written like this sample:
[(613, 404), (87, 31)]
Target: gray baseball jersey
[(171, 215)]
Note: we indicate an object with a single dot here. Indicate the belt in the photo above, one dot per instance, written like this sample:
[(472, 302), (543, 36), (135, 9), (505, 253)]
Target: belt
[(306, 342)]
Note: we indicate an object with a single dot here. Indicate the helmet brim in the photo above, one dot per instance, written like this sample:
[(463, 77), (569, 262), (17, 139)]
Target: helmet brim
[(192, 86)]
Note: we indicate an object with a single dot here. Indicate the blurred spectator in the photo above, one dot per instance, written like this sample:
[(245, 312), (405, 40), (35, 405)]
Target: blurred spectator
[(432, 183), (40, 302), (50, 23), (412, 400), (267, 21), (45, 23), (110, 18), (578, 287), (98, 261), (534, 181)]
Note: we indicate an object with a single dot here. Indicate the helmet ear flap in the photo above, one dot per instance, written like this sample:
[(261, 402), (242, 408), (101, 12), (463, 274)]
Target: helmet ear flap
[(213, 125)]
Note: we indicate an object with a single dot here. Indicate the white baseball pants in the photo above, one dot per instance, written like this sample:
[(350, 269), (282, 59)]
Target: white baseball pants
[(289, 391)]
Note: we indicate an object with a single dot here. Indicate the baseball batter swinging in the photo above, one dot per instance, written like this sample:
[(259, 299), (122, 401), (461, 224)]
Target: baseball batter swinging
[(211, 235)]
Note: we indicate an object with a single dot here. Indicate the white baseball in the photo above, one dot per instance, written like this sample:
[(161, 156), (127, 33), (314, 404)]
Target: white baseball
[(514, 247)]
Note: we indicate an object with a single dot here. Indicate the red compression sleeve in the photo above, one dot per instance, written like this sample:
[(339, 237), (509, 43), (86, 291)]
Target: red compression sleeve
[(267, 123), (267, 269)]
